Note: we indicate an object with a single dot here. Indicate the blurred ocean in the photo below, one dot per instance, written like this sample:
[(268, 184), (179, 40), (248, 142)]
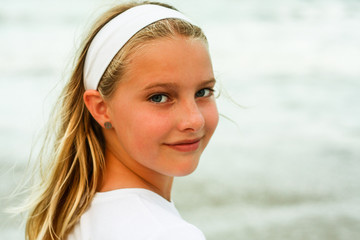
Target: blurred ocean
[(289, 169)]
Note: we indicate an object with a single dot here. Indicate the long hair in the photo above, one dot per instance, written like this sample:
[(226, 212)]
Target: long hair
[(74, 145)]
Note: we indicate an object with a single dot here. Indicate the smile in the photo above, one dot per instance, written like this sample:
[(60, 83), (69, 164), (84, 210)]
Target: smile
[(186, 145)]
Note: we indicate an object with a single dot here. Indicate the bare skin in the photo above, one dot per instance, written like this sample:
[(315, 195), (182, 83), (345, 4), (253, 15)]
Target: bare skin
[(163, 114)]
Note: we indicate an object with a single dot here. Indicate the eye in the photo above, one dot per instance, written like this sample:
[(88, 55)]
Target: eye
[(205, 92), (158, 98)]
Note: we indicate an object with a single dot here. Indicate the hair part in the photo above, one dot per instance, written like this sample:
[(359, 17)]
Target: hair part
[(74, 144)]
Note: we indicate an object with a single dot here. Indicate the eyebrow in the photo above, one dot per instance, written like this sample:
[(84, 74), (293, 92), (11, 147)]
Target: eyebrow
[(173, 85)]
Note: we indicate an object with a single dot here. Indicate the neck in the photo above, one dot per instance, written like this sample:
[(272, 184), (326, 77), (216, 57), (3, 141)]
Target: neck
[(117, 175)]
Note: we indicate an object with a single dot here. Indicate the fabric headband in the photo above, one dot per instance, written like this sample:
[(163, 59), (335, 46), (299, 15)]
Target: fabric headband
[(115, 34)]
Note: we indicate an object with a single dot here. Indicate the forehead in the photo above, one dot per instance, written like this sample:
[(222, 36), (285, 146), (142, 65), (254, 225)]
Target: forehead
[(172, 57)]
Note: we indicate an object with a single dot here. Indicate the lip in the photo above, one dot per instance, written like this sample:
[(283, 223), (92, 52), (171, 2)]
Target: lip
[(188, 145)]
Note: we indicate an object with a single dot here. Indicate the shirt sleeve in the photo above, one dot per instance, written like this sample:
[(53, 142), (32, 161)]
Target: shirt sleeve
[(183, 232)]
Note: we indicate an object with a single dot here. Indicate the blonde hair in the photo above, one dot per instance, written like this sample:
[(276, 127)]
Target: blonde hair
[(76, 153)]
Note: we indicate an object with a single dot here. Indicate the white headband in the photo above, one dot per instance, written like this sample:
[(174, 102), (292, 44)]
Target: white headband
[(115, 34)]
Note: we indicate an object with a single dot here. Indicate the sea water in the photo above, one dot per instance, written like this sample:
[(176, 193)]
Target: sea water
[(287, 163)]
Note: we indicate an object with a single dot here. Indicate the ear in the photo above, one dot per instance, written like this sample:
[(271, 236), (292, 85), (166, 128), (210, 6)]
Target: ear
[(96, 106)]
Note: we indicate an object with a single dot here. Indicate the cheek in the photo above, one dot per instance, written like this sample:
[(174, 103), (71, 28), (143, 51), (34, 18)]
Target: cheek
[(146, 127), (211, 117)]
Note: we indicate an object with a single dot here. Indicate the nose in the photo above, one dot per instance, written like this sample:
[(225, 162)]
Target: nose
[(190, 117)]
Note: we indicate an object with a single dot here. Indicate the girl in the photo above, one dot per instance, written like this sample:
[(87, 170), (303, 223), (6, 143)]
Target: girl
[(137, 111)]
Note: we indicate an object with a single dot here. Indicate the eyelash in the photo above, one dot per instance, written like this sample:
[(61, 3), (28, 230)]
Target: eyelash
[(151, 98), (209, 94)]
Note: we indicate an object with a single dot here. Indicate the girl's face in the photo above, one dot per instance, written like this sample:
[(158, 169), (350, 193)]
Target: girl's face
[(163, 111)]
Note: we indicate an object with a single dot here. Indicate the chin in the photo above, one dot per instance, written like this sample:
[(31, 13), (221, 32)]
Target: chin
[(185, 169)]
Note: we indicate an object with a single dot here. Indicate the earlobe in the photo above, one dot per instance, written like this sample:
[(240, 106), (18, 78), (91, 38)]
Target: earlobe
[(96, 106)]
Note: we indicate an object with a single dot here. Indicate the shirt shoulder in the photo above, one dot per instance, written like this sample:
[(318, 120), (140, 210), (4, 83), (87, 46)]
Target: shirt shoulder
[(180, 232), (133, 214)]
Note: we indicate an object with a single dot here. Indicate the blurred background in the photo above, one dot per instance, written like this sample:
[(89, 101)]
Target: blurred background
[(288, 168)]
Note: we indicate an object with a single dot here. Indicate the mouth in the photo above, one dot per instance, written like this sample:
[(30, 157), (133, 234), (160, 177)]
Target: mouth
[(189, 145)]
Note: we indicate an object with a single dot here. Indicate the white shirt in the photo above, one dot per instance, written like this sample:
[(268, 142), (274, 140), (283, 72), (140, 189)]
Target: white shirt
[(133, 214)]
